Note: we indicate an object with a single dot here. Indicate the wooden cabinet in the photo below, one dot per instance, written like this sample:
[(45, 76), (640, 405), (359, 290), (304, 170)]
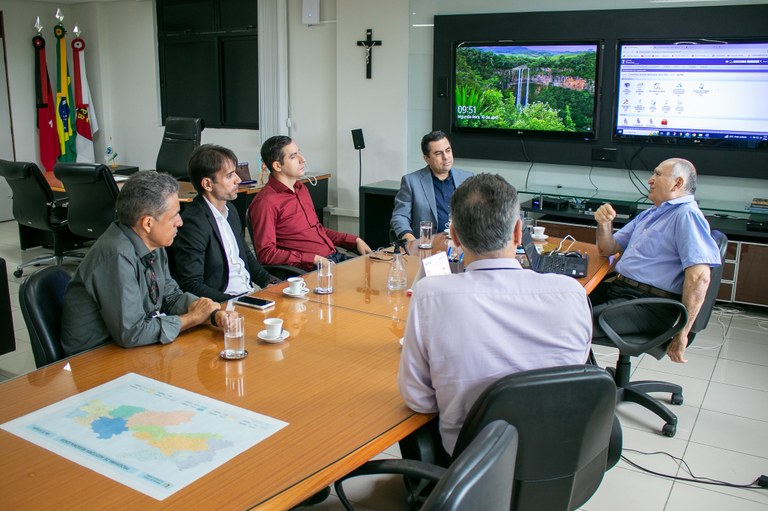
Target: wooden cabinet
[(751, 284), (728, 282)]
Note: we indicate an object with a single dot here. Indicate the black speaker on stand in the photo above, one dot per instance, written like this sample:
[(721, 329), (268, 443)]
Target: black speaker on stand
[(359, 142)]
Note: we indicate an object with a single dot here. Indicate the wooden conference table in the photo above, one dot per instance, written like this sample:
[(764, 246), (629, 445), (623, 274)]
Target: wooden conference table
[(360, 283), (334, 380)]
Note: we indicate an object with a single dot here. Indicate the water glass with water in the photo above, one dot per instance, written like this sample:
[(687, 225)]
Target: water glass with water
[(234, 336), (425, 234), (324, 277)]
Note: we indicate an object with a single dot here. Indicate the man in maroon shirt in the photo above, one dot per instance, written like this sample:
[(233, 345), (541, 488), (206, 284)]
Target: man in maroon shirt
[(286, 229)]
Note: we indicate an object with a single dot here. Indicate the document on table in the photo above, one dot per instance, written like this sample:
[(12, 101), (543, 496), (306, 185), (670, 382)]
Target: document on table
[(145, 434)]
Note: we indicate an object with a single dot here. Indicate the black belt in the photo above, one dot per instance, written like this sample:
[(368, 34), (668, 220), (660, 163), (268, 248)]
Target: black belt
[(645, 288)]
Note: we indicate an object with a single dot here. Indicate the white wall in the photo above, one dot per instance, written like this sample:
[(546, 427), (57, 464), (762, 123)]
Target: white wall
[(312, 88), (329, 94), (377, 105)]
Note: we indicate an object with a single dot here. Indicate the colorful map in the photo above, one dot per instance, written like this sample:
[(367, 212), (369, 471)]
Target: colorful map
[(186, 450), (146, 434)]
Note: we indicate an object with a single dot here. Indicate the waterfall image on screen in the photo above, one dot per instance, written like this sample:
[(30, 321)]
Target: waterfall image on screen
[(526, 88)]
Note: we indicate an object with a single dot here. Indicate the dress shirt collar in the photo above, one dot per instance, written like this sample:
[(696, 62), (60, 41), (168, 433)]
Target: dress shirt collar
[(680, 200), (216, 213), (138, 244), (495, 264), (279, 187), (437, 179)]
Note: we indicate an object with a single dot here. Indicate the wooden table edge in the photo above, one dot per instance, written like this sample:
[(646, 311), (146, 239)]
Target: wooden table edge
[(297, 493)]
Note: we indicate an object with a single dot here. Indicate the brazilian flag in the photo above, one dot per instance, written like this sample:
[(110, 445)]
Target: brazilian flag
[(65, 120)]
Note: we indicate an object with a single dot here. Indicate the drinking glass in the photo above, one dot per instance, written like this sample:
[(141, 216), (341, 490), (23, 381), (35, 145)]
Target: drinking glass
[(324, 277), (425, 234)]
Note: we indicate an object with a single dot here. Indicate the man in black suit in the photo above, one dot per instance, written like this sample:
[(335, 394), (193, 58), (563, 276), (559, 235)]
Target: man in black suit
[(210, 257)]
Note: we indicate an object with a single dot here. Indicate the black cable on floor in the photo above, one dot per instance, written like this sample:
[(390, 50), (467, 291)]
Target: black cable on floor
[(757, 483)]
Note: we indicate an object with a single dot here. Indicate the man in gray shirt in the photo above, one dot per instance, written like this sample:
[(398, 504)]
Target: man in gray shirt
[(123, 290)]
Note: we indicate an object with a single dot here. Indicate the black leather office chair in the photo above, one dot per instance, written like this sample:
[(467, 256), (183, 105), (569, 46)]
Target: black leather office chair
[(181, 137), (92, 193), (42, 297), (35, 207), (478, 479), (7, 334), (654, 341), (281, 271), (568, 433)]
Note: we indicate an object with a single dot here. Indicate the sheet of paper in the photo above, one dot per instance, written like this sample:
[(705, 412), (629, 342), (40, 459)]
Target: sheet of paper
[(436, 265), (145, 434)]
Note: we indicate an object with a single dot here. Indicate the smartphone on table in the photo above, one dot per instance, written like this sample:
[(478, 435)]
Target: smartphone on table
[(256, 303)]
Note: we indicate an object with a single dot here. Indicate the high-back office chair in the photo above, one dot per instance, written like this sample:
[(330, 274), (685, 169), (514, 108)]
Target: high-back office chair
[(181, 137), (35, 207), (281, 271), (654, 341), (41, 297), (92, 194), (478, 479), (568, 433), (7, 336)]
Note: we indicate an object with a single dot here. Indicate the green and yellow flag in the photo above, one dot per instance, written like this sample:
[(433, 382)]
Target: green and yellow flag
[(65, 122)]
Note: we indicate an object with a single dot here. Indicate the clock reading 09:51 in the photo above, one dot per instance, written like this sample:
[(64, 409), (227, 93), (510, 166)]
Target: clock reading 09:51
[(461, 109)]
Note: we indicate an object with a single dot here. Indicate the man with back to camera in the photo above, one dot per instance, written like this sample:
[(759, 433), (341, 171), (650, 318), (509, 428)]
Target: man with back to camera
[(210, 257), (467, 330), (425, 194), (666, 251), (122, 290), (286, 229)]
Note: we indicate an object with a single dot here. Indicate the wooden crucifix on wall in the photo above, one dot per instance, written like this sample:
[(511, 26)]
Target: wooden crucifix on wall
[(368, 43)]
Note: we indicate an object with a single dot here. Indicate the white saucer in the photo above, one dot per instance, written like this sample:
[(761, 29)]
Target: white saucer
[(287, 292), (263, 336), (539, 237)]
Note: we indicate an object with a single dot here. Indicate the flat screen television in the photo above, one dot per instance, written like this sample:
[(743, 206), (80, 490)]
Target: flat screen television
[(527, 88), (706, 92)]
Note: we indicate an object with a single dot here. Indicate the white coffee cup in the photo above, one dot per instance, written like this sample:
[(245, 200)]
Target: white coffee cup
[(274, 327), (296, 285), (538, 231)]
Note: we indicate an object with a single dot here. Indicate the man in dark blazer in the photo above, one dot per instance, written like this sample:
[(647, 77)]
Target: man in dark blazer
[(426, 193), (210, 257)]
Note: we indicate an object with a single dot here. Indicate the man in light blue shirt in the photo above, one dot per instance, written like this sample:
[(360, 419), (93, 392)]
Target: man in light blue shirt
[(666, 251)]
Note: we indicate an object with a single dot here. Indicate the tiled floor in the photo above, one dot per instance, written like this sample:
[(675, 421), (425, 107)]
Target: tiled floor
[(721, 432)]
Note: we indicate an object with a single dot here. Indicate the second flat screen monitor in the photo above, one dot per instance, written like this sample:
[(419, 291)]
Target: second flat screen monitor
[(526, 88), (705, 92)]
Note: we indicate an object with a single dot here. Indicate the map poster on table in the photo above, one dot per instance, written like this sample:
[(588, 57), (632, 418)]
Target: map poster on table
[(145, 434)]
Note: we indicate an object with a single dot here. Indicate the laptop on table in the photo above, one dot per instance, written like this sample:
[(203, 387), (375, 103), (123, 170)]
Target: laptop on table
[(558, 263)]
